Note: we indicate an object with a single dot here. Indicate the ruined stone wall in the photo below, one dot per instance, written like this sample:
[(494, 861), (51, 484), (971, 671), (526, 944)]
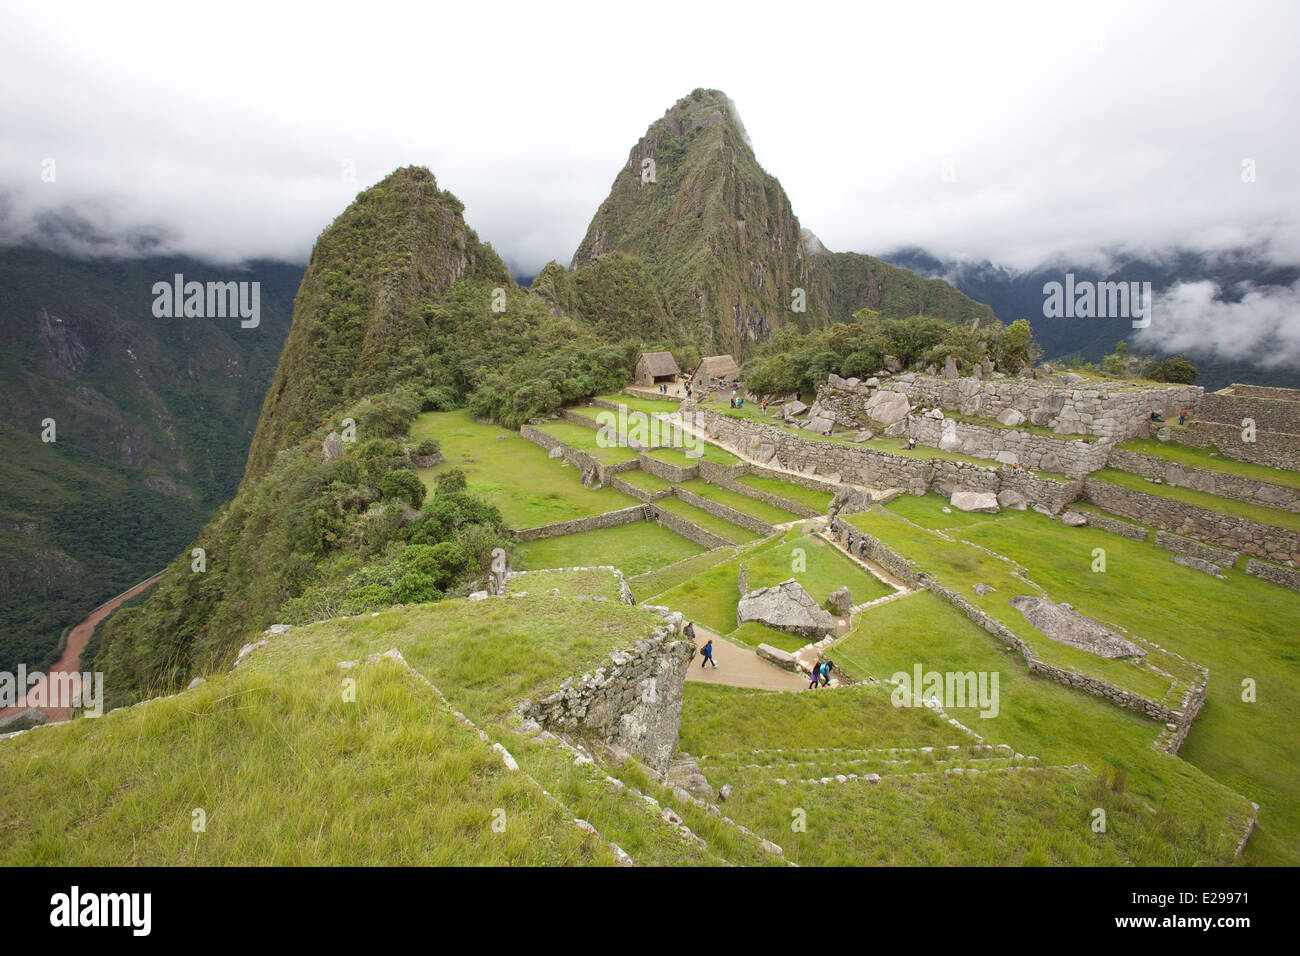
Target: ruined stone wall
[(1115, 526), (667, 471), (639, 493), (776, 501), (1227, 531), (1266, 391), (1114, 410), (634, 702), (1287, 577), (1177, 544), (592, 468), (610, 519)]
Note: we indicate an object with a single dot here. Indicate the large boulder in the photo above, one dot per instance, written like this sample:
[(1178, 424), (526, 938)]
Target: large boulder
[(981, 502), (1010, 498), (949, 441), (791, 409), (820, 425), (841, 600), (1010, 417), (1073, 519), (887, 406), (950, 369), (1062, 623), (1198, 564), (893, 364), (777, 656), (332, 447), (786, 607)]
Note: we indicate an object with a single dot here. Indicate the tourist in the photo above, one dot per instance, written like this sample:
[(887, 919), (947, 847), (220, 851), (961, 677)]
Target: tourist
[(765, 404), (815, 675), (708, 656), (862, 547), (1155, 417), (826, 673), (911, 443), (733, 402), (834, 527), (689, 630), (1182, 416)]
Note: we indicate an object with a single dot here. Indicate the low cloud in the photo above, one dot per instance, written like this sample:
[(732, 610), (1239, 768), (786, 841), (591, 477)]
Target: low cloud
[(1196, 318)]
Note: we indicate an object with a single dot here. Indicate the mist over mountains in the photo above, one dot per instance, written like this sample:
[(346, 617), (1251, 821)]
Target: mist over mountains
[(1233, 314)]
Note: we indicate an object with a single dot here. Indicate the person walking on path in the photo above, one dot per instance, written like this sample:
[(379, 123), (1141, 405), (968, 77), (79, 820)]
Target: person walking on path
[(816, 677), (689, 630), (708, 656)]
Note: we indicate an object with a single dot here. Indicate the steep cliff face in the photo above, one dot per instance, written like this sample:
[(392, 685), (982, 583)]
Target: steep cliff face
[(720, 237), (356, 310)]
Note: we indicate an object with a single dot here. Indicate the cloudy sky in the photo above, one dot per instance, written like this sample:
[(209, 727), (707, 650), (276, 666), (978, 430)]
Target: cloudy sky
[(1014, 132)]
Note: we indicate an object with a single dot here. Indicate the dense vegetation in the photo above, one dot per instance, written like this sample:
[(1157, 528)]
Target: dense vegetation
[(152, 416)]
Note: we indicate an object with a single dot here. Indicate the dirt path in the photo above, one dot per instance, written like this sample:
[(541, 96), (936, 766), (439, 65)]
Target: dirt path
[(70, 661), (738, 666)]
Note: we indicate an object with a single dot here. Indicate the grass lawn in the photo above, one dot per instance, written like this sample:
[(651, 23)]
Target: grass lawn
[(1202, 500), (818, 501), (742, 503), (652, 484), (633, 403), (818, 566), (588, 440), (1205, 458), (751, 634), (635, 548), (657, 582), (593, 582), (719, 526), (511, 472), (675, 456)]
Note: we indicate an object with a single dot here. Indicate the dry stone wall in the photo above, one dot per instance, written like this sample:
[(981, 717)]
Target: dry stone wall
[(720, 510), (634, 702), (1074, 458), (1115, 526), (666, 470), (1277, 450), (1202, 479), (1114, 410), (1195, 549), (1287, 577), (1227, 531), (689, 529), (610, 519), (1229, 406)]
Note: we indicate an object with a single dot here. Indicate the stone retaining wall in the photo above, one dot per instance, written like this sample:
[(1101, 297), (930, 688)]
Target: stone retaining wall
[(1230, 407), (640, 494), (1195, 549), (1276, 450), (1169, 741), (1115, 526), (610, 519), (667, 471), (1110, 409), (1287, 577), (1203, 479), (776, 501), (689, 529), (719, 510), (1074, 458), (1228, 531), (634, 702)]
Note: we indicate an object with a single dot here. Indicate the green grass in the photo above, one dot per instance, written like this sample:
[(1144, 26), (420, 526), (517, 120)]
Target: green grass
[(708, 452), (961, 567), (1043, 430), (1203, 500), (1205, 458), (588, 440), (742, 503), (653, 583), (648, 405), (818, 501), (819, 566), (652, 484), (593, 582), (512, 473), (636, 548), (719, 526), (287, 773), (751, 634)]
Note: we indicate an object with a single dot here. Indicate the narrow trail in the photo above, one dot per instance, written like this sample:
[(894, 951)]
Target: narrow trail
[(70, 661), (738, 666)]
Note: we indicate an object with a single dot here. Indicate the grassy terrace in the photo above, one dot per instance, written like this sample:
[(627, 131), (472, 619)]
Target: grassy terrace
[(652, 484), (588, 440), (1239, 628), (1203, 500), (511, 472), (1029, 818), (818, 501), (1043, 430), (1209, 460), (719, 526), (647, 405), (288, 774), (1058, 725), (675, 456), (594, 582), (711, 595), (734, 499), (636, 548), (960, 567), (670, 576)]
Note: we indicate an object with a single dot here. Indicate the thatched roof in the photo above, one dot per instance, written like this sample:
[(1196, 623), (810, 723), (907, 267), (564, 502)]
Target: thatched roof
[(659, 363), (719, 366)]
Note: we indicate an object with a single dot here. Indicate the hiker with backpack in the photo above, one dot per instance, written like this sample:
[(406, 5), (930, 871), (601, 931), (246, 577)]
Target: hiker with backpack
[(708, 656), (826, 673)]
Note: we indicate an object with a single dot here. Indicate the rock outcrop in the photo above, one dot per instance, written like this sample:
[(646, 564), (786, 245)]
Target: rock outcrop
[(786, 607), (1062, 623)]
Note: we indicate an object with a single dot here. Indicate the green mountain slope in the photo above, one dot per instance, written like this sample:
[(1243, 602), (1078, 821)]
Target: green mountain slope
[(152, 420), (719, 236)]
